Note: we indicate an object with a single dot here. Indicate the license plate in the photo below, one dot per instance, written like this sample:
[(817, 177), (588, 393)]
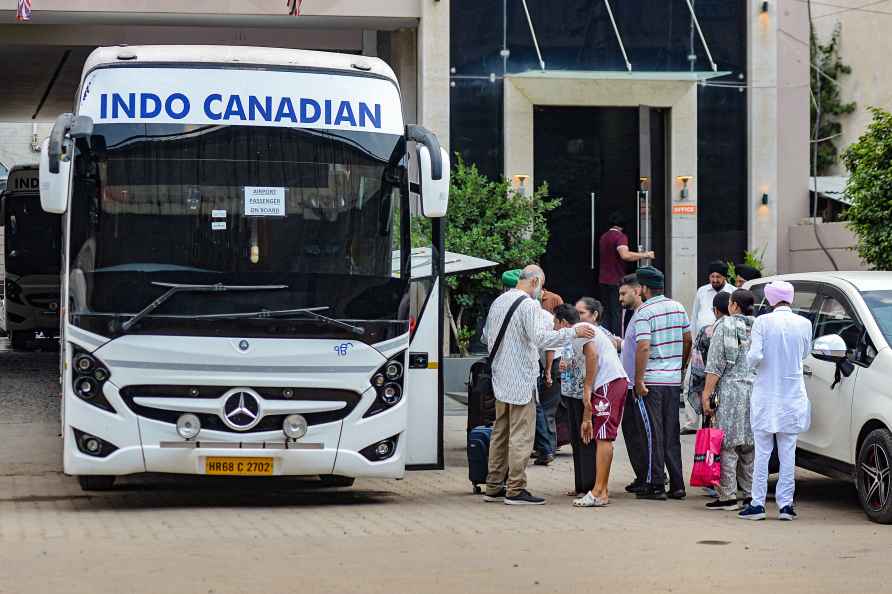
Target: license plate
[(239, 466)]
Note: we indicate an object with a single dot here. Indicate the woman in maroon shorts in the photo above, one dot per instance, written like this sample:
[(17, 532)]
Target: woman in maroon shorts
[(604, 398)]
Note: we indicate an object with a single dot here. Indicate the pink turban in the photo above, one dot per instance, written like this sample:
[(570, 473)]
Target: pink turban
[(778, 291)]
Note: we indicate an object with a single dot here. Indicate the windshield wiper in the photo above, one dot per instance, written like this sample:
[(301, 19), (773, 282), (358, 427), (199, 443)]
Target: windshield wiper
[(173, 289), (266, 313)]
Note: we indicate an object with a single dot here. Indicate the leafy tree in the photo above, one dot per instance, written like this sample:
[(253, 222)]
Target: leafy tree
[(826, 58), (487, 219), (869, 161)]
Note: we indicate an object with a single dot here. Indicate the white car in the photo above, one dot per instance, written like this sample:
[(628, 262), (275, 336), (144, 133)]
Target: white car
[(851, 390)]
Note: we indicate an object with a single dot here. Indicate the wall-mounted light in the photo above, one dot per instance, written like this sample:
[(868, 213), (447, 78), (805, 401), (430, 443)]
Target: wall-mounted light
[(684, 179), (765, 199), (519, 183), (763, 8)]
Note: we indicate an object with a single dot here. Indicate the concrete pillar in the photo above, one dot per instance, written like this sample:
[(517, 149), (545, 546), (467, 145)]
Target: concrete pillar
[(404, 61), (433, 66), (370, 43), (794, 123), (681, 273), (778, 108)]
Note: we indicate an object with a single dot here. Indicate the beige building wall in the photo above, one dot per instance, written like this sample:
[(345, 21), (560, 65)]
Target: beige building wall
[(806, 254), (523, 92), (864, 45)]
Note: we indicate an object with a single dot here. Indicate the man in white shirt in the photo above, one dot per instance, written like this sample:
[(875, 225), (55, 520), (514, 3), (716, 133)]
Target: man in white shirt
[(515, 375), (779, 406), (702, 314)]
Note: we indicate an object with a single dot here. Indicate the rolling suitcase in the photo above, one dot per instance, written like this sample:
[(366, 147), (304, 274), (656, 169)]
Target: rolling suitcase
[(478, 456)]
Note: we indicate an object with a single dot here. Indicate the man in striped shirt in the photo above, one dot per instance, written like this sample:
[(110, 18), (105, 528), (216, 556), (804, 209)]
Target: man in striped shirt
[(663, 335), (515, 377)]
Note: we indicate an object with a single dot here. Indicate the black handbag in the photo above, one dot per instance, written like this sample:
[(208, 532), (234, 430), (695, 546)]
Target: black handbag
[(481, 395)]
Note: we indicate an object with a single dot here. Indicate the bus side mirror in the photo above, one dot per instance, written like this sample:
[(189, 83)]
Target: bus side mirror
[(434, 192), (53, 186)]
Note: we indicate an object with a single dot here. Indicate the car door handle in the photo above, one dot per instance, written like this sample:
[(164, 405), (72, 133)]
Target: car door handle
[(806, 370)]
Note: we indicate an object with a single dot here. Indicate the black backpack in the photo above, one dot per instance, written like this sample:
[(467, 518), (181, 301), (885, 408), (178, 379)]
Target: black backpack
[(481, 396)]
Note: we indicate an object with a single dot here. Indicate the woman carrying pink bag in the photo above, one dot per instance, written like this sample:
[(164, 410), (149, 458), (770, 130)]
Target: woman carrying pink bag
[(730, 379)]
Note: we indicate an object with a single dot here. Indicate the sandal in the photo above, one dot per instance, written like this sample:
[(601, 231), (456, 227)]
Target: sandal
[(590, 500)]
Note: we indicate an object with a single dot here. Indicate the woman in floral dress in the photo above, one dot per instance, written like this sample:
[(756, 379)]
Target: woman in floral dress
[(730, 378)]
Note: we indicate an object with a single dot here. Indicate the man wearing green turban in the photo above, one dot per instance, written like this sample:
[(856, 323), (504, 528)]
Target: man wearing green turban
[(510, 278)]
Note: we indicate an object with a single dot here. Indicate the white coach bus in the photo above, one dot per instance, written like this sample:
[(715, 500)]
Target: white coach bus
[(230, 304), (31, 258)]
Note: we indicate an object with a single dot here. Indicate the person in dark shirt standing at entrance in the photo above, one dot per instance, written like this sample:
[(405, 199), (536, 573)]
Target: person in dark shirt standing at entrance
[(613, 254)]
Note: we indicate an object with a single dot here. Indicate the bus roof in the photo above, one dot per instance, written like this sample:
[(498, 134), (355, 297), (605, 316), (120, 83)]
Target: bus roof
[(222, 54)]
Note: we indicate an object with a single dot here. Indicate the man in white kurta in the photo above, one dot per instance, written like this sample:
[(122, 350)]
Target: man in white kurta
[(780, 408), (703, 315)]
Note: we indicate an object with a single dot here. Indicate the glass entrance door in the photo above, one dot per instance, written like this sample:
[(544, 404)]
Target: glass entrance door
[(591, 157)]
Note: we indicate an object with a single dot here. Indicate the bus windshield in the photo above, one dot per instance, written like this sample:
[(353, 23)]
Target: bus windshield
[(32, 236), (314, 210)]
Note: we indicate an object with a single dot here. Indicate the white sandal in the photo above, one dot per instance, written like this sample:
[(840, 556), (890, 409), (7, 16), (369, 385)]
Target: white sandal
[(590, 500)]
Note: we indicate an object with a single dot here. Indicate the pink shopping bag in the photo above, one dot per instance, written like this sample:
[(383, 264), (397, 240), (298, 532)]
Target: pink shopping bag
[(707, 470)]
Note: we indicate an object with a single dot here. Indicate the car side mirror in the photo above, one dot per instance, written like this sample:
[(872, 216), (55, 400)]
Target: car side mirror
[(830, 348)]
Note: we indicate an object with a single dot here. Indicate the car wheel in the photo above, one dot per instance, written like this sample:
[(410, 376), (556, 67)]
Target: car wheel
[(95, 482), (874, 476), (331, 480)]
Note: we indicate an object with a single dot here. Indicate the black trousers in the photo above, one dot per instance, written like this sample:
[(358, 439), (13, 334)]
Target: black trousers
[(634, 436), (583, 454), (612, 308), (663, 436), (546, 411)]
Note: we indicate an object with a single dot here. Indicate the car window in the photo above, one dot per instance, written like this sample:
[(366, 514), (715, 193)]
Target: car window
[(760, 305), (836, 317), (803, 302), (880, 305)]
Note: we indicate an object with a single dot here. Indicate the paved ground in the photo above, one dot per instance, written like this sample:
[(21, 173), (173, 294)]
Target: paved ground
[(424, 534)]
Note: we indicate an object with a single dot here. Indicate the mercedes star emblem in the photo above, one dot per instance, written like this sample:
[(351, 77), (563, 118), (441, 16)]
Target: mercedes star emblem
[(241, 410)]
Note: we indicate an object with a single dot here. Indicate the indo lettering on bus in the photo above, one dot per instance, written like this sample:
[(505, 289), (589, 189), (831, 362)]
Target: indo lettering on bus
[(142, 106)]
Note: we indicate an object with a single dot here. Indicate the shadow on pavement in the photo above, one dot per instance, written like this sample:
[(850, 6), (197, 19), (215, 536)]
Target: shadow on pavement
[(164, 492)]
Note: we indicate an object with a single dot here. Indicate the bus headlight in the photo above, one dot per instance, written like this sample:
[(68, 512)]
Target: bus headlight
[(188, 426), (13, 292), (92, 445), (391, 394), (388, 384), (84, 363), (85, 387), (384, 449), (89, 375), (381, 450), (394, 370), (294, 426)]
